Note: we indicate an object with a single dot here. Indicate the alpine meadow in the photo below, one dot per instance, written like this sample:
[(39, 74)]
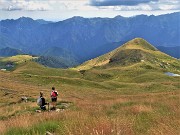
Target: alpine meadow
[(111, 75)]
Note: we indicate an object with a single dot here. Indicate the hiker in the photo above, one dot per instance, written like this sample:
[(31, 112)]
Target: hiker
[(41, 102), (54, 95)]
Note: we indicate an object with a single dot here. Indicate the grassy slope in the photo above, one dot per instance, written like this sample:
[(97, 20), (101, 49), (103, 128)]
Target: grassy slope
[(110, 99), (14, 60), (17, 58), (103, 105), (133, 51)]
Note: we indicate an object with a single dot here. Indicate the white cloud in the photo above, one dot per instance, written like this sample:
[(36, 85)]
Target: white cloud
[(29, 5), (85, 5), (169, 5), (81, 5), (43, 5)]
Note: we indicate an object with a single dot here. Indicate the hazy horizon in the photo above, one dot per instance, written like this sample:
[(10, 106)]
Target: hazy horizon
[(58, 10), (86, 17)]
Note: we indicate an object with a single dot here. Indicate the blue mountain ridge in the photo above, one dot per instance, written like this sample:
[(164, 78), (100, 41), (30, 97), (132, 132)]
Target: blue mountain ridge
[(87, 38)]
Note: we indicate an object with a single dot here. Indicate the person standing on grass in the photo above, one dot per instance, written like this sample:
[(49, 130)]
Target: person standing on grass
[(54, 95)]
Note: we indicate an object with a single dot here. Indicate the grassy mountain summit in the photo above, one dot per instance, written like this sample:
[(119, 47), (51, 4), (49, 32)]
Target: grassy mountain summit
[(135, 51), (139, 43)]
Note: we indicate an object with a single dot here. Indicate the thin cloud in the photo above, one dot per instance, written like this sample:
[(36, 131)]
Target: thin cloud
[(44, 5), (89, 5), (118, 2), (33, 5)]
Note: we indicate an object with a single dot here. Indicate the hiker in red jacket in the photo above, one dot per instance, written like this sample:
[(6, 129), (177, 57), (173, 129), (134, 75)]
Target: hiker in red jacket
[(54, 95)]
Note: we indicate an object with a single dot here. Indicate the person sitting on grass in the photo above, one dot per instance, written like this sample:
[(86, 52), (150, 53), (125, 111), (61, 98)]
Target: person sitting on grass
[(41, 102), (54, 95)]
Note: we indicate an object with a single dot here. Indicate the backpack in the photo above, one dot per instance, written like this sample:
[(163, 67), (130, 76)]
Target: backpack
[(54, 94), (39, 101)]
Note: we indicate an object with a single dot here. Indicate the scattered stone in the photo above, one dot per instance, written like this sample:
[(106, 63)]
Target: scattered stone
[(24, 99), (38, 111), (7, 93), (58, 110), (48, 133), (162, 65)]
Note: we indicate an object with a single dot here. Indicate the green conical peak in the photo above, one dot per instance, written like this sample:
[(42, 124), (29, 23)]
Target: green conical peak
[(139, 43)]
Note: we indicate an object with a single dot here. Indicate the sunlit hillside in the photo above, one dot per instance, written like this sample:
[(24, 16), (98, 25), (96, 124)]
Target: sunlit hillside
[(123, 92)]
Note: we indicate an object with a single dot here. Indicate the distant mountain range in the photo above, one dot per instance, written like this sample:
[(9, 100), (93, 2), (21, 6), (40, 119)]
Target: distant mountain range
[(41, 21), (86, 38), (6, 52)]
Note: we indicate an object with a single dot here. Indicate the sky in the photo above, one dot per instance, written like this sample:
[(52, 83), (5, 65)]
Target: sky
[(56, 10)]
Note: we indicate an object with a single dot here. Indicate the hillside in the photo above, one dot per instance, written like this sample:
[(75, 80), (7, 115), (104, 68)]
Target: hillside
[(57, 57), (57, 52), (9, 63), (125, 96), (56, 62), (135, 51)]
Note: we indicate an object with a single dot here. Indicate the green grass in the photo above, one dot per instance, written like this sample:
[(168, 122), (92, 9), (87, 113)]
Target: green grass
[(14, 61), (109, 99), (17, 59), (120, 105), (143, 122), (39, 129)]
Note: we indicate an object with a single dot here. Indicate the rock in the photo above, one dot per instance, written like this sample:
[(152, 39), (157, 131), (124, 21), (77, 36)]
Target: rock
[(38, 111), (48, 133), (7, 93), (24, 99), (58, 110)]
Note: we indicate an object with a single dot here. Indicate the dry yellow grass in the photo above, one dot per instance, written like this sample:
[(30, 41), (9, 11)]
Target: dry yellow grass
[(95, 110)]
